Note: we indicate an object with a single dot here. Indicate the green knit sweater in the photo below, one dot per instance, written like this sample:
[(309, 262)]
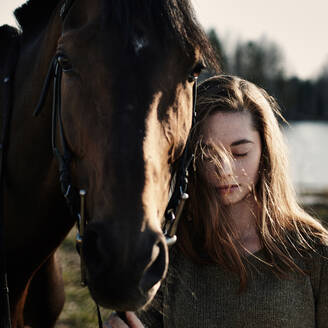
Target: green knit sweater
[(207, 296)]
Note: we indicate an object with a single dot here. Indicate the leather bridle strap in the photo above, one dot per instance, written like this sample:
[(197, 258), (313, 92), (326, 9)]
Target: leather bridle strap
[(179, 196), (64, 159)]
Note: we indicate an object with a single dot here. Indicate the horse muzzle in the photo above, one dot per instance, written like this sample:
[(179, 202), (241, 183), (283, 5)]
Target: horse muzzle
[(124, 272)]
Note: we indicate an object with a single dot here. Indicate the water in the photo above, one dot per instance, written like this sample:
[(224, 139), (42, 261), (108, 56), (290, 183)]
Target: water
[(308, 155)]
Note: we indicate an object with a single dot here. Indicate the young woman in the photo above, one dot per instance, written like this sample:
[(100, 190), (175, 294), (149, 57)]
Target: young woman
[(247, 255)]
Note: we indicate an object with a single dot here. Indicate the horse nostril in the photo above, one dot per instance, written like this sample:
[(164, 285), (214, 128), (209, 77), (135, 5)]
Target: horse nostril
[(155, 269)]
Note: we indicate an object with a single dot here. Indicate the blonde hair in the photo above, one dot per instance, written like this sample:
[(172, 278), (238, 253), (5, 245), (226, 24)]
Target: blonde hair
[(283, 226)]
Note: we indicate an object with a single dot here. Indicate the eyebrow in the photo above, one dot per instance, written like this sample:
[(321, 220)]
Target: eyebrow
[(241, 142)]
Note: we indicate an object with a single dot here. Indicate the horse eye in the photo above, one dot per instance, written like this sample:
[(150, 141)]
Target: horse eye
[(196, 71), (64, 63)]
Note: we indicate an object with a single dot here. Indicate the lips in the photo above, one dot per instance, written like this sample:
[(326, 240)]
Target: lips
[(227, 188)]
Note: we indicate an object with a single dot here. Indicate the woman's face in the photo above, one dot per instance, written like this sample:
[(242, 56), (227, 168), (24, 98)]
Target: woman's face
[(235, 134)]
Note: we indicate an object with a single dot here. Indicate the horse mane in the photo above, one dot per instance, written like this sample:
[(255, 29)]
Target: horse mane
[(33, 15)]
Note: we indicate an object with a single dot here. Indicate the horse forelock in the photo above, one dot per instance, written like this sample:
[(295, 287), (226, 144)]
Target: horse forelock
[(171, 19)]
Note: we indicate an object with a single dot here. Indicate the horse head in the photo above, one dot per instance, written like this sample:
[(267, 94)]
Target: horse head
[(126, 97)]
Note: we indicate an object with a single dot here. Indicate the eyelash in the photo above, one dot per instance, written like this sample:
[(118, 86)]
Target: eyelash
[(240, 155)]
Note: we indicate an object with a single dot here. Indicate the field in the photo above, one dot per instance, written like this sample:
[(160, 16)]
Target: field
[(79, 310)]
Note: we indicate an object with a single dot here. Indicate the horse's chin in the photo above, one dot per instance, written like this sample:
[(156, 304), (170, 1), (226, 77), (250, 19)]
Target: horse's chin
[(121, 298)]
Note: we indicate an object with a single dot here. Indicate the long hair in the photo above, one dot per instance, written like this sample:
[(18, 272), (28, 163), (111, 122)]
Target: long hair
[(206, 234)]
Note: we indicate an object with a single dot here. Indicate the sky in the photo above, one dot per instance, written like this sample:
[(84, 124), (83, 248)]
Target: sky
[(299, 27)]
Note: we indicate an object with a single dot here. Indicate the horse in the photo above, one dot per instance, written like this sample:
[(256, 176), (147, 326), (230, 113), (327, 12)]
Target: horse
[(125, 95)]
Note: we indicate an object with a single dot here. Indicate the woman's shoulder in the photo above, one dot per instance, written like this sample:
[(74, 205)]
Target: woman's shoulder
[(321, 247), (318, 268), (319, 254)]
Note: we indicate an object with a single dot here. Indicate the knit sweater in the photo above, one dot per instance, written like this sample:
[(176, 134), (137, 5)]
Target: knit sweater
[(208, 296)]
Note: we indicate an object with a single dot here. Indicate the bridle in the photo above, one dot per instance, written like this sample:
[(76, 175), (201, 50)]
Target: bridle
[(76, 199), (179, 195), (73, 197)]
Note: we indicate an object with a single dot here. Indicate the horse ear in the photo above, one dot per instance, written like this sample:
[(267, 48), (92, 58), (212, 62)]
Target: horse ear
[(8, 35)]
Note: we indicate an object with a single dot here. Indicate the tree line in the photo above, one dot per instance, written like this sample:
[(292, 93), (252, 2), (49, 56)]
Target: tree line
[(262, 63)]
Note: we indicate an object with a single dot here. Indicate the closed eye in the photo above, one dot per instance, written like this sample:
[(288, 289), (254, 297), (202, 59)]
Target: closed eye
[(240, 155)]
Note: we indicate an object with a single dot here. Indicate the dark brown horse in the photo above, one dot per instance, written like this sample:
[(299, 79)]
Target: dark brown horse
[(126, 107)]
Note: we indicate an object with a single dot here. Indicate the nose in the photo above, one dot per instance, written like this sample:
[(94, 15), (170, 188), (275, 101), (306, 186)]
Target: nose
[(227, 167), (123, 268)]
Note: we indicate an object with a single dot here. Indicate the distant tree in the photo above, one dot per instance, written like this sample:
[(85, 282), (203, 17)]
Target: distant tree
[(321, 98), (219, 49), (321, 93), (262, 62), (323, 73), (258, 61)]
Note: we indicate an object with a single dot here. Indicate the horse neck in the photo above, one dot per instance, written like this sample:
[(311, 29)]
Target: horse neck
[(30, 155)]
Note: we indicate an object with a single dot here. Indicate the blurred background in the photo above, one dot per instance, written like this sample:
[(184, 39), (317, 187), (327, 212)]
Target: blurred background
[(280, 45)]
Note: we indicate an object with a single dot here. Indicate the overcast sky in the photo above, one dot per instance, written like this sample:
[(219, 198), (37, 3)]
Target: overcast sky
[(299, 27)]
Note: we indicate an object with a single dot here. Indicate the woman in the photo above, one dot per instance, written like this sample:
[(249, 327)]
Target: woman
[(248, 255)]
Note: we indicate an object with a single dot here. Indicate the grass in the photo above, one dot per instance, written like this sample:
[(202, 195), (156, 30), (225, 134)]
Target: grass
[(79, 310)]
